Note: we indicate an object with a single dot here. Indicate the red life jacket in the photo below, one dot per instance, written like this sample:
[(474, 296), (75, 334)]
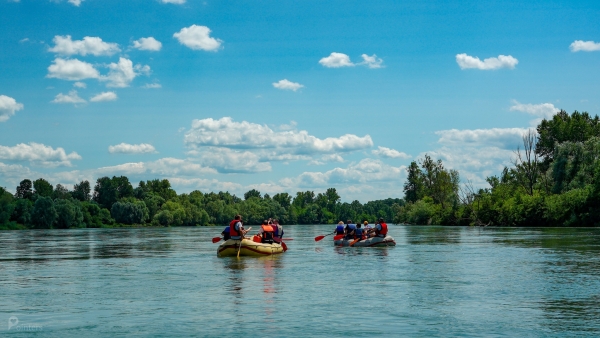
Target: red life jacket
[(383, 231), (232, 230)]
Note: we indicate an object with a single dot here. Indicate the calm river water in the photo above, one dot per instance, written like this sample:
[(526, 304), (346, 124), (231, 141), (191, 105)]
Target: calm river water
[(438, 281)]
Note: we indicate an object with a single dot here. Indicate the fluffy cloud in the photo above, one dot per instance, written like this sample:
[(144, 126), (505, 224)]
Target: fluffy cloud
[(89, 45), (125, 148), (148, 43), (72, 69), (502, 61), (371, 61), (225, 160), (198, 37), (71, 97), (287, 85), (121, 74), (584, 46), (177, 2), (105, 96), (389, 153), (505, 138), (227, 133), (542, 110), (79, 85), (366, 171), (336, 60), (8, 107), (76, 2), (38, 154)]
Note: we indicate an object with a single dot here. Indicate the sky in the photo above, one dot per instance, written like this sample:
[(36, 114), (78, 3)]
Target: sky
[(284, 96)]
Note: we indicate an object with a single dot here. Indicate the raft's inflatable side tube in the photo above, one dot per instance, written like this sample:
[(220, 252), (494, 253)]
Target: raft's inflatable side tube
[(373, 241), (230, 247)]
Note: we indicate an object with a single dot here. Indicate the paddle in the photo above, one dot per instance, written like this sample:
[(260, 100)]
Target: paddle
[(354, 241), (241, 240), (338, 237), (318, 238), (284, 247), (216, 239), (287, 239)]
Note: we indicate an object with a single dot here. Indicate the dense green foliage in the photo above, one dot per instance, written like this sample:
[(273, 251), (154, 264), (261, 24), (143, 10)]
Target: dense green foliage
[(115, 202), (554, 181)]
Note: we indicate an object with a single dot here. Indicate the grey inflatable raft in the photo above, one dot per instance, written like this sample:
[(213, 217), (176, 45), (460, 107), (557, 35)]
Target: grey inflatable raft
[(373, 241)]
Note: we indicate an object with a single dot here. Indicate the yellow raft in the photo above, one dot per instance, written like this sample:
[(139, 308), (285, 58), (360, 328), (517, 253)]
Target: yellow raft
[(249, 248)]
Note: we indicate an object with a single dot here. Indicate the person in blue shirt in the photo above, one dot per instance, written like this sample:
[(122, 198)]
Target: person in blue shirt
[(225, 233), (349, 231), (339, 229)]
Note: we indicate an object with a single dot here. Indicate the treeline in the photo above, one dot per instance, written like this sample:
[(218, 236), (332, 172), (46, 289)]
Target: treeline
[(554, 180), (115, 202)]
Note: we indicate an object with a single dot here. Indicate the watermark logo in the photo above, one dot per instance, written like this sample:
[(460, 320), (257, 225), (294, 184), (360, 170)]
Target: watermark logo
[(13, 324), (12, 321)]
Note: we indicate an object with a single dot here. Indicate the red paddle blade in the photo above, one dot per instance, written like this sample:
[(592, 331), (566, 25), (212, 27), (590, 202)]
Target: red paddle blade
[(284, 247), (287, 239), (318, 238), (216, 239), (338, 237)]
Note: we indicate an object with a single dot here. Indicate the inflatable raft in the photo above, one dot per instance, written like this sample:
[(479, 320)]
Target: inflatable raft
[(373, 241), (230, 247)]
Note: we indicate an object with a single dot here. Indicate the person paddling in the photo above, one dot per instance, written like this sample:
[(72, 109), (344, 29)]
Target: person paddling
[(359, 232), (266, 232), (381, 229), (226, 234), (349, 231), (339, 229), (236, 228), (278, 231)]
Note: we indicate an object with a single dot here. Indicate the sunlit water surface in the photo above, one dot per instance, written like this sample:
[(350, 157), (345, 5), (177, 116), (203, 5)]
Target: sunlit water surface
[(438, 281)]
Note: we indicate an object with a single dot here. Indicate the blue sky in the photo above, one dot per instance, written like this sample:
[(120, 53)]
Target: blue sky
[(284, 96)]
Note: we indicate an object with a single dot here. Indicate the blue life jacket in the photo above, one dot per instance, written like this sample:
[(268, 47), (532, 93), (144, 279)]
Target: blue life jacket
[(358, 232), (339, 230), (226, 234)]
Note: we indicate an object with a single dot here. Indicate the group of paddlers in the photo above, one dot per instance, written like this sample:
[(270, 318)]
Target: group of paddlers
[(353, 231), (270, 231)]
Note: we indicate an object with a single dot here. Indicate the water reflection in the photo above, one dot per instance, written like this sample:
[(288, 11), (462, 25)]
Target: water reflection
[(433, 235)]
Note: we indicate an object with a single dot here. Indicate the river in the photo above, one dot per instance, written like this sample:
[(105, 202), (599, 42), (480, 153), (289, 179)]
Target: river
[(437, 282)]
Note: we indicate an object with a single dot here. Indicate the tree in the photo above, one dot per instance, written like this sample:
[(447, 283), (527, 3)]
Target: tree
[(161, 188), (284, 199), (252, 193), (44, 214), (129, 212), (42, 187), (109, 190), (81, 191), (24, 189), (577, 127), (527, 163), (69, 214), (60, 192), (413, 187), (6, 206)]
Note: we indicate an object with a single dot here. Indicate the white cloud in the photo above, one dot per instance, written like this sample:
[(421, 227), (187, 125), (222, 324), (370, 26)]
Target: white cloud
[(225, 160), (72, 69), (148, 43), (76, 2), (24, 40), (105, 96), (542, 110), (71, 97), (152, 86), (38, 154), (505, 138), (89, 45), (177, 2), (389, 153), (287, 85), (8, 107), (371, 61), (336, 60), (584, 46), (125, 148), (227, 133), (198, 37), (121, 74), (365, 171), (502, 61), (79, 85)]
